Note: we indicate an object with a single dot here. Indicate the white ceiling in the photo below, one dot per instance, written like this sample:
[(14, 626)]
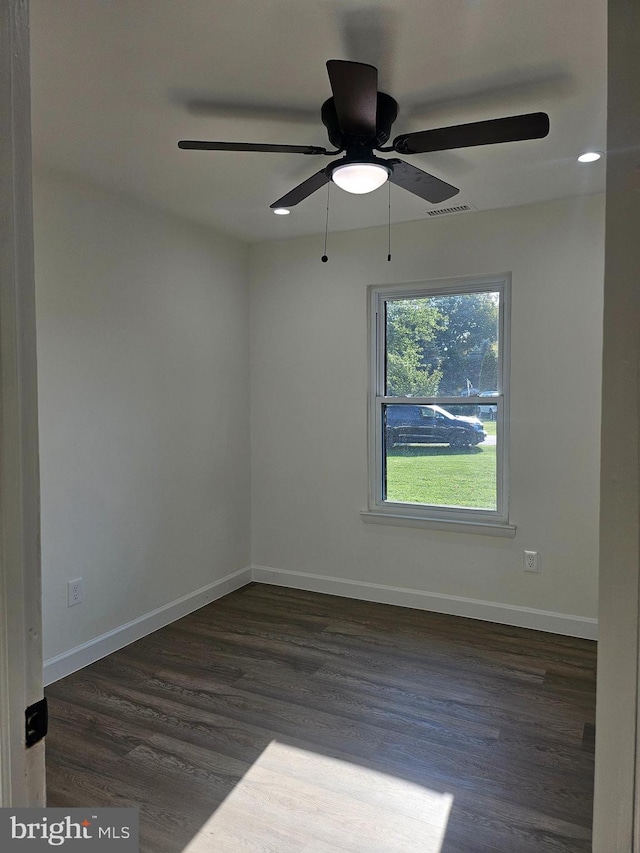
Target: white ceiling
[(112, 81)]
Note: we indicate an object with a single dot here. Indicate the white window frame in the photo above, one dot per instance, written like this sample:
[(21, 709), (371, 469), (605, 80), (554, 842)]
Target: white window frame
[(495, 522)]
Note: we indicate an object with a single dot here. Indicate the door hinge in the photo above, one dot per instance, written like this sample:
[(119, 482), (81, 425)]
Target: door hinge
[(37, 722)]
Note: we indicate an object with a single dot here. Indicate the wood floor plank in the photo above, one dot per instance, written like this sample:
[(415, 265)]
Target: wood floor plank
[(376, 711), (444, 698), (283, 721)]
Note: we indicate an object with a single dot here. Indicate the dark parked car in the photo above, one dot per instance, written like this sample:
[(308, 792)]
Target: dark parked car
[(431, 425)]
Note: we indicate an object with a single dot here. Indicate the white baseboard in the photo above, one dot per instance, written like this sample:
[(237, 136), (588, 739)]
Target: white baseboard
[(488, 611), (80, 656)]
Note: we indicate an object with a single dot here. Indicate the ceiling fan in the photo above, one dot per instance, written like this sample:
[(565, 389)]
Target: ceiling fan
[(358, 119)]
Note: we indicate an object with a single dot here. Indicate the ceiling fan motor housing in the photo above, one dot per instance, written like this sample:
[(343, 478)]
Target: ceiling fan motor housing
[(387, 112)]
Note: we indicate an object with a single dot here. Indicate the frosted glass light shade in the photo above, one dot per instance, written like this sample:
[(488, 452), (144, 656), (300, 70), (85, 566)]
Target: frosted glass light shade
[(360, 177)]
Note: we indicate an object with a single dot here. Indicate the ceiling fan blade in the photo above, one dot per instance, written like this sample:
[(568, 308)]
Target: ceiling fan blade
[(355, 94), (512, 129), (299, 193), (420, 183), (194, 145)]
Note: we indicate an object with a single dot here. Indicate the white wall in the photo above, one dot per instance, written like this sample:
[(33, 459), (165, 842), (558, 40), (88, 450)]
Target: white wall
[(142, 324), (309, 413)]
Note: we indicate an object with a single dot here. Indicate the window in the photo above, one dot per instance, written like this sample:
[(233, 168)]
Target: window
[(439, 403)]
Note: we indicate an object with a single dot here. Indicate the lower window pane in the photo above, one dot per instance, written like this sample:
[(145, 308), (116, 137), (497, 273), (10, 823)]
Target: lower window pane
[(440, 456)]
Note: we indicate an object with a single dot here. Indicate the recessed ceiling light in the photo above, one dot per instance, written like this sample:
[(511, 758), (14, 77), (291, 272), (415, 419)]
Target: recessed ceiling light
[(281, 211), (590, 156)]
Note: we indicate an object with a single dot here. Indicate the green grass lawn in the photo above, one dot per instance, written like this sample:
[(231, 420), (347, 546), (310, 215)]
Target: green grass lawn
[(489, 427), (443, 476)]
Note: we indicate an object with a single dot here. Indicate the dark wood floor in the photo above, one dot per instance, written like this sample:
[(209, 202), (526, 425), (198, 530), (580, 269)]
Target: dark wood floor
[(286, 721)]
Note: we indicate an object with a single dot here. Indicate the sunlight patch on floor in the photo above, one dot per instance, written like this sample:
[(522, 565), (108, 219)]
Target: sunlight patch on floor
[(295, 800)]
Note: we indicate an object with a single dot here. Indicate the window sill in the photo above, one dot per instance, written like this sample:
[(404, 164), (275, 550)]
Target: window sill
[(483, 528)]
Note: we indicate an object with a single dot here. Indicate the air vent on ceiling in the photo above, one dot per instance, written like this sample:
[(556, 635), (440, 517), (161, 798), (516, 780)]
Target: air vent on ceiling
[(460, 208)]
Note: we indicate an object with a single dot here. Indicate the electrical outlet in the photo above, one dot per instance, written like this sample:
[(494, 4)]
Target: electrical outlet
[(531, 561), (75, 592)]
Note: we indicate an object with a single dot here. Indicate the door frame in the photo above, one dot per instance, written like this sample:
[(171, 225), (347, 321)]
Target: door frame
[(22, 771)]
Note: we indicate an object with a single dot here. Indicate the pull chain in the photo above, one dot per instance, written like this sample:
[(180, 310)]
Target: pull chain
[(325, 257), (389, 255)]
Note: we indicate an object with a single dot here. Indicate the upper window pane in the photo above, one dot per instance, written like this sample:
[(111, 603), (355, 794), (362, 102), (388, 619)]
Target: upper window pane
[(444, 345)]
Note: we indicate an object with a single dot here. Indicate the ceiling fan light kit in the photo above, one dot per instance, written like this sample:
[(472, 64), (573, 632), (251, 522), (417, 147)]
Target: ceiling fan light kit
[(358, 119), (359, 178)]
